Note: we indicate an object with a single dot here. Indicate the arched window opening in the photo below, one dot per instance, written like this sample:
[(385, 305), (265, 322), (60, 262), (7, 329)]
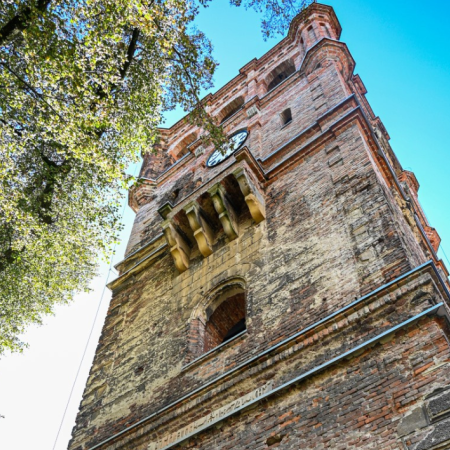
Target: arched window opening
[(229, 110), (279, 74), (218, 318), (311, 33), (286, 117), (325, 31), (181, 148), (227, 320)]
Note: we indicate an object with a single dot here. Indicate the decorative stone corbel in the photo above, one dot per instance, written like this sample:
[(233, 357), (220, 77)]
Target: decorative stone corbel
[(225, 210), (179, 248), (202, 231), (253, 197), (165, 210)]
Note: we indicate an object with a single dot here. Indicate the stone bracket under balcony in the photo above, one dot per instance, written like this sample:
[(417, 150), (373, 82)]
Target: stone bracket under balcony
[(217, 205), (179, 247), (253, 197), (203, 232), (225, 210)]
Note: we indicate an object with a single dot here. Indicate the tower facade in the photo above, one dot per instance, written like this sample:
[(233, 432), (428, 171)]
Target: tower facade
[(284, 292)]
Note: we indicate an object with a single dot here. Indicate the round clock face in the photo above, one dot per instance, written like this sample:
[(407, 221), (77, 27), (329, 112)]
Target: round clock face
[(236, 142)]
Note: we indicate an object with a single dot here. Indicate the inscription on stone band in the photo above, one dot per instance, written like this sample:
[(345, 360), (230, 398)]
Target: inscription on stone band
[(215, 416)]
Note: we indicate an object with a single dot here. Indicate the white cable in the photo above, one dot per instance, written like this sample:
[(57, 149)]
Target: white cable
[(91, 331)]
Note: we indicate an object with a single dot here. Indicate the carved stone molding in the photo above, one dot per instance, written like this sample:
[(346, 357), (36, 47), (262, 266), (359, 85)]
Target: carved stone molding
[(253, 198), (179, 248), (202, 231), (225, 210)]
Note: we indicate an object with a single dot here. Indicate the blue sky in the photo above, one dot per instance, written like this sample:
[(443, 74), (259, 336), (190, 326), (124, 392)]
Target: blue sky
[(402, 55)]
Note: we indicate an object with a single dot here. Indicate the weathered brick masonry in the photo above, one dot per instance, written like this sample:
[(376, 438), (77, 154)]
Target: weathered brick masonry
[(287, 297)]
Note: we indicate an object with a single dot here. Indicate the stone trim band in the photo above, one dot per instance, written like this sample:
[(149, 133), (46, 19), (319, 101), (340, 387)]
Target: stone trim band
[(218, 418), (214, 417), (442, 307)]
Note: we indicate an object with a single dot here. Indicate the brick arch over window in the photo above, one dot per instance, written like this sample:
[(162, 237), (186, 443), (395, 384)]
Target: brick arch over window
[(181, 148), (230, 109), (280, 73), (218, 318)]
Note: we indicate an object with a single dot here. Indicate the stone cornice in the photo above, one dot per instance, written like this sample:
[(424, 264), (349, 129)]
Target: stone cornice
[(138, 254), (146, 259), (137, 192), (305, 143)]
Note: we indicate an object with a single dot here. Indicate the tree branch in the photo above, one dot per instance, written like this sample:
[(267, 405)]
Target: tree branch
[(130, 52), (20, 21), (46, 197), (31, 88), (132, 46)]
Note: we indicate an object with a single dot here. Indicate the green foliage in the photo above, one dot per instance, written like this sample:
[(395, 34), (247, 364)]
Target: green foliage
[(83, 86), (276, 14)]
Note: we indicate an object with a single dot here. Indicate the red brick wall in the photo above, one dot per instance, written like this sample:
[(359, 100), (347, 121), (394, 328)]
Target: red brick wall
[(356, 405), (336, 228)]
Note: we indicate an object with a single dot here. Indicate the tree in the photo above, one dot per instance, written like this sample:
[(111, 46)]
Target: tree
[(83, 86)]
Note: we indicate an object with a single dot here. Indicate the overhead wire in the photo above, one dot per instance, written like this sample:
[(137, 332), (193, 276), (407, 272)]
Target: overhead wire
[(110, 269), (445, 255)]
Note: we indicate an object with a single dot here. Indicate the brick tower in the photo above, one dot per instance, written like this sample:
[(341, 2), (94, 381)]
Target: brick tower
[(285, 293)]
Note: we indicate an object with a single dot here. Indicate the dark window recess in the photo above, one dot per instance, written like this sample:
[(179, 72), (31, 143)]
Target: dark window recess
[(175, 194), (312, 33), (286, 117), (279, 74), (231, 109), (277, 80), (235, 330), (182, 148), (273, 441), (226, 321)]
